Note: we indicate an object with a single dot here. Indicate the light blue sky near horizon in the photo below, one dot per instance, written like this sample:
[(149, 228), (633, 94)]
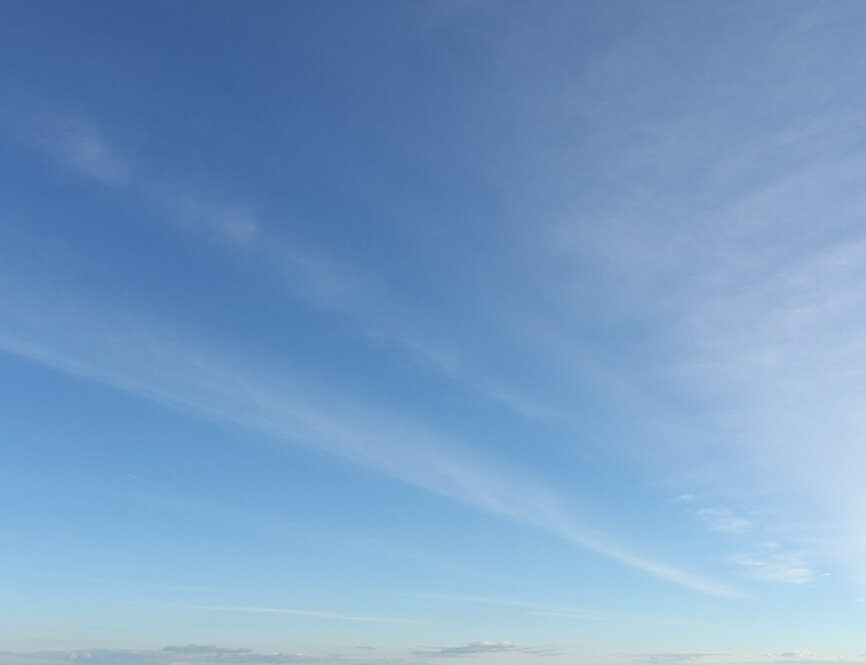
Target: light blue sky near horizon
[(391, 332)]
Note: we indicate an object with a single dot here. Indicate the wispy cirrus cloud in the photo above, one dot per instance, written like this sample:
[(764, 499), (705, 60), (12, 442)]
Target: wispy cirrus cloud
[(768, 560), (138, 357), (770, 564), (134, 356), (806, 657), (724, 520), (475, 648), (314, 614), (774, 330), (543, 609), (170, 655), (79, 146), (301, 270), (758, 306)]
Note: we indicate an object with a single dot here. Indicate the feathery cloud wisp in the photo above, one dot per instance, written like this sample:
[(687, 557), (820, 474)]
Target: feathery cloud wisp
[(314, 614), (162, 367), (192, 654), (485, 648), (724, 520)]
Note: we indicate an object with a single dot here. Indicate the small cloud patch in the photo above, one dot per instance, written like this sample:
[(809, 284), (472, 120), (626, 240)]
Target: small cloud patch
[(191, 654), (724, 521), (486, 647), (771, 565)]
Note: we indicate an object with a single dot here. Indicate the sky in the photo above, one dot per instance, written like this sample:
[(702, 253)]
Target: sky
[(480, 332)]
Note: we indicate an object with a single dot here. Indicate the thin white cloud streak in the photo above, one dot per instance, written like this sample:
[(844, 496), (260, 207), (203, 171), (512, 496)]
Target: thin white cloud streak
[(564, 612), (339, 287), (486, 648), (133, 356), (82, 148), (768, 561), (770, 564), (303, 272), (328, 285), (308, 274), (315, 614), (78, 146), (201, 655)]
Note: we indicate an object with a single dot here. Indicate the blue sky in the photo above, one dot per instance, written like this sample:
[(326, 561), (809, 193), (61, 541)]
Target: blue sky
[(406, 332)]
